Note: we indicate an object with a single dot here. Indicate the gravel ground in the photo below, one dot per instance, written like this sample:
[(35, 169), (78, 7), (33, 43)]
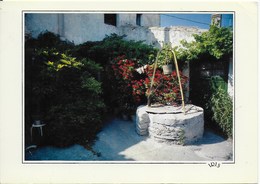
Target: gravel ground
[(118, 141)]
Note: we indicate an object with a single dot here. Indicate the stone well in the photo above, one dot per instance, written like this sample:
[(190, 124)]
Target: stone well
[(169, 124)]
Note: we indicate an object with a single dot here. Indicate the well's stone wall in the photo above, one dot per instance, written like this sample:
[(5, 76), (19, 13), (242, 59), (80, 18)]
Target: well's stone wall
[(171, 125), (142, 120)]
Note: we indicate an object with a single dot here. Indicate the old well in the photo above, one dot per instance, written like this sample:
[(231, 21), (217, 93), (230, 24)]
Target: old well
[(176, 124), (169, 124)]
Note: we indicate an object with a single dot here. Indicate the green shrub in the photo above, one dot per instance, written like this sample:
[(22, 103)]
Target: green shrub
[(214, 44), (78, 106), (74, 122), (222, 110), (104, 52), (63, 90), (113, 46)]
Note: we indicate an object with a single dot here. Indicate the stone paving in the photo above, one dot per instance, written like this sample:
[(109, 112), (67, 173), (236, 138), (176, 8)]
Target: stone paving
[(118, 141)]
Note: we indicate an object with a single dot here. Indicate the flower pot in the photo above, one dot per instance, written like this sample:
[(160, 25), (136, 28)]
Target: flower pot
[(167, 69)]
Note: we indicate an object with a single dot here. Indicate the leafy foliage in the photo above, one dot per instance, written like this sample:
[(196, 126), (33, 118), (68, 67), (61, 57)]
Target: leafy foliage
[(63, 90), (165, 88), (117, 98), (221, 106), (123, 74), (215, 44), (166, 56), (62, 86), (113, 46), (64, 61)]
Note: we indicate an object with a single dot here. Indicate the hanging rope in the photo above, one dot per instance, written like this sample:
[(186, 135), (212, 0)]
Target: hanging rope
[(178, 75)]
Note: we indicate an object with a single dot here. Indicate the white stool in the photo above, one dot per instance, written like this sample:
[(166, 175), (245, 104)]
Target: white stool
[(37, 124)]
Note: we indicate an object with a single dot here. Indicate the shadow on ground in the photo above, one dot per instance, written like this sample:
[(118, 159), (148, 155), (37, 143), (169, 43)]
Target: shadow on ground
[(115, 138)]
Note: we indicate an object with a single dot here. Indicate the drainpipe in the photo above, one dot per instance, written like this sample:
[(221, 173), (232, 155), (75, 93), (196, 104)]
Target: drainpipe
[(61, 26), (166, 35)]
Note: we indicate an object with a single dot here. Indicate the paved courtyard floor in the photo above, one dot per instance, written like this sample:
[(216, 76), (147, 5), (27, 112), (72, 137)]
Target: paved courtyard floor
[(118, 141)]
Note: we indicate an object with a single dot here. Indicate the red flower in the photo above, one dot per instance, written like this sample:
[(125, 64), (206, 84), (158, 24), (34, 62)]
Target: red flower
[(165, 87), (147, 81)]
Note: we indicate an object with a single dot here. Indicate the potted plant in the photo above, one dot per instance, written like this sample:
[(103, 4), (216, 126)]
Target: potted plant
[(165, 59), (167, 69)]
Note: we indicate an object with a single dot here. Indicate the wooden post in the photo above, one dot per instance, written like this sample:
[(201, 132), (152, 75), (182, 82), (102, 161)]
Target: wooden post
[(179, 79), (150, 91)]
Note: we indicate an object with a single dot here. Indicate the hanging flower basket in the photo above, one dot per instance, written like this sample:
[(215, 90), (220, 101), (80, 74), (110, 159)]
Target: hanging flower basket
[(167, 69)]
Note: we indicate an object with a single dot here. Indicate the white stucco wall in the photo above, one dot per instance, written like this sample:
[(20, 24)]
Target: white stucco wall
[(156, 36), (126, 19), (36, 23), (82, 27), (230, 78), (149, 20)]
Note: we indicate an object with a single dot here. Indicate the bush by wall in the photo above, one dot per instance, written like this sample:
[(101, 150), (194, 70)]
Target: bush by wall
[(222, 110), (113, 46), (214, 45)]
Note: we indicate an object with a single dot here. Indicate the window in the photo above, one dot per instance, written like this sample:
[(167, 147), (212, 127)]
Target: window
[(138, 19), (110, 19)]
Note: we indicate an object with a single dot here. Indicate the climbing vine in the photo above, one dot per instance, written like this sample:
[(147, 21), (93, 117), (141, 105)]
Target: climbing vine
[(215, 44)]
